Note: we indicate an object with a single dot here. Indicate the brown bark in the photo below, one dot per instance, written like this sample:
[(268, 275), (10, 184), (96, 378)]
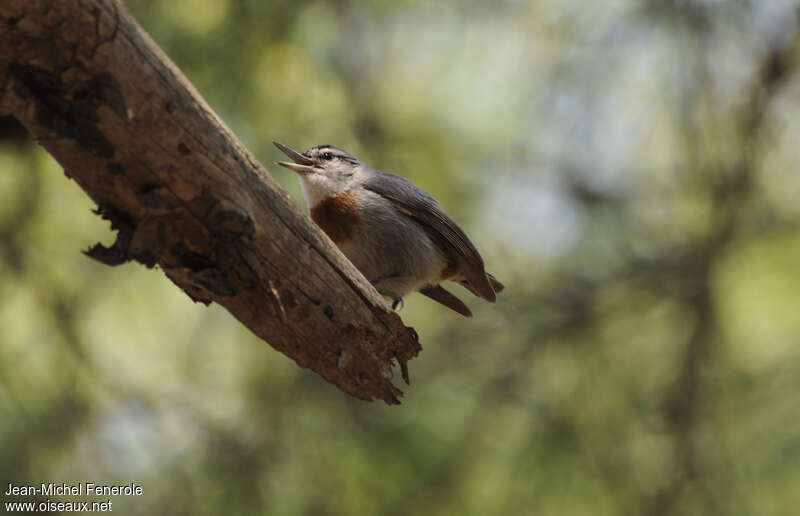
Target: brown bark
[(126, 125)]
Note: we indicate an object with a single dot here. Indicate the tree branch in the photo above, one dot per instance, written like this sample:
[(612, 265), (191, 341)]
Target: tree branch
[(183, 193)]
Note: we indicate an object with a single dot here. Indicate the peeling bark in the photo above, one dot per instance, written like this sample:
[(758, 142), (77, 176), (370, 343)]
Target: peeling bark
[(183, 193)]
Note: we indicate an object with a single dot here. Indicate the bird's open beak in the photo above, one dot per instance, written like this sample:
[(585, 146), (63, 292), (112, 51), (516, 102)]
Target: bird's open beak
[(301, 165)]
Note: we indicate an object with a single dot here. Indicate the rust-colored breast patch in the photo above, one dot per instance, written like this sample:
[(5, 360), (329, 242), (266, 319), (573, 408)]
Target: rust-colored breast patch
[(337, 216)]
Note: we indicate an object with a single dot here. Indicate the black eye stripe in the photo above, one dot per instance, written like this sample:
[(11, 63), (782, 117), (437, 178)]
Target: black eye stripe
[(329, 153)]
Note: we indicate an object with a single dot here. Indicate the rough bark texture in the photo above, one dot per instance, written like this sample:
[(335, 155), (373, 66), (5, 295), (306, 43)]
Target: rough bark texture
[(100, 96)]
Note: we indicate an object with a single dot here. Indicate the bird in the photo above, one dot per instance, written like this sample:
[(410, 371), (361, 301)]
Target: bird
[(395, 233)]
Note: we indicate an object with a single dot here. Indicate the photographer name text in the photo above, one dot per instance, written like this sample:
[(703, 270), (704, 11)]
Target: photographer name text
[(77, 489)]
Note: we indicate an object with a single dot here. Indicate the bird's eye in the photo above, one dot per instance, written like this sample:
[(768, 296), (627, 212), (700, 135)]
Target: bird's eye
[(327, 156)]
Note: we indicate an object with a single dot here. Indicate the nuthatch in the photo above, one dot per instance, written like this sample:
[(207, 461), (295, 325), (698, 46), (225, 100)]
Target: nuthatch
[(394, 232)]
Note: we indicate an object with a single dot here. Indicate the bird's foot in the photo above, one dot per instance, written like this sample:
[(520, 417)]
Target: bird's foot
[(395, 301)]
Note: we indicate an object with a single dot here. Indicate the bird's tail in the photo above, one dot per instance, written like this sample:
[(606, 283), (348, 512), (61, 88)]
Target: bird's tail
[(496, 285), (440, 295)]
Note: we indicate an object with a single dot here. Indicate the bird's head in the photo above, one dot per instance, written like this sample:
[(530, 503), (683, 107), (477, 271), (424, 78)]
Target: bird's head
[(324, 170)]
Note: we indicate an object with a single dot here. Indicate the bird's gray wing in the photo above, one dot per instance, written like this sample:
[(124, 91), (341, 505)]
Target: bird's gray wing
[(440, 295), (420, 206)]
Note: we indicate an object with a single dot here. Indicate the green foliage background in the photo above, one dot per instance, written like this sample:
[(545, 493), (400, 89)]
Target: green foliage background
[(629, 168)]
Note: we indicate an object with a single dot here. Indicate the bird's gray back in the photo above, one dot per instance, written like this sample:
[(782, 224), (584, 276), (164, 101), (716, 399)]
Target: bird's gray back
[(389, 245), (418, 205)]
